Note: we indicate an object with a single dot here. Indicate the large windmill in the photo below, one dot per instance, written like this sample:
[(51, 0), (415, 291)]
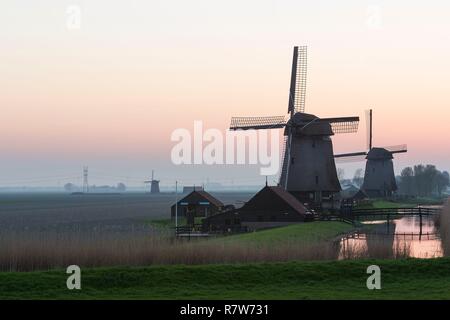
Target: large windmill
[(308, 170), (154, 184), (379, 178)]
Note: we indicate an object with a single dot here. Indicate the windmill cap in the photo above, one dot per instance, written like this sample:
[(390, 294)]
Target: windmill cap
[(304, 122), (379, 154)]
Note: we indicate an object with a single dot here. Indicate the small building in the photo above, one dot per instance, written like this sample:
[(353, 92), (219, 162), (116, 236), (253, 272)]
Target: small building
[(189, 189), (270, 207), (198, 203), (352, 192)]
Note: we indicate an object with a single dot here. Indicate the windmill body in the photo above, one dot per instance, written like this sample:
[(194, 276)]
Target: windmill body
[(379, 176), (308, 171), (312, 170), (154, 185)]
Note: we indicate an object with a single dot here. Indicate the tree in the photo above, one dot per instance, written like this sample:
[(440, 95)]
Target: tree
[(121, 187), (358, 178), (407, 181), (69, 187), (419, 179), (430, 174), (442, 181)]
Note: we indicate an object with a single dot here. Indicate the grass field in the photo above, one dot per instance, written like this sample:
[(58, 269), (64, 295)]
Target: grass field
[(303, 232), (404, 203), (400, 279), (381, 204)]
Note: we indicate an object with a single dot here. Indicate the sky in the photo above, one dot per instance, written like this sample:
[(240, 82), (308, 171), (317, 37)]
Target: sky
[(105, 83)]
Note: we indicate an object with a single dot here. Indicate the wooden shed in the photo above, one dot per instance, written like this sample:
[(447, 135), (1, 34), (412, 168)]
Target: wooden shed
[(270, 207), (198, 203)]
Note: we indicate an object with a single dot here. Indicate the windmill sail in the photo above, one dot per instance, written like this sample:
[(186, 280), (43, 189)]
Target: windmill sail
[(297, 90), (397, 149), (342, 124), (350, 157), (246, 123), (284, 162)]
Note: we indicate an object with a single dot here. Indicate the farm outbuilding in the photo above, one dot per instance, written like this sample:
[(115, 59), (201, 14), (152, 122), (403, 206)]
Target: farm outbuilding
[(197, 204), (270, 207)]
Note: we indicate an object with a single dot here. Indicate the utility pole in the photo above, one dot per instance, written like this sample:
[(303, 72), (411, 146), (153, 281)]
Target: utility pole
[(176, 204), (85, 179)]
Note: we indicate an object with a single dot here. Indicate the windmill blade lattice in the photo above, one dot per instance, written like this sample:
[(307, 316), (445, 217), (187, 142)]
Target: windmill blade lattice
[(246, 123), (297, 91), (342, 124), (350, 158), (397, 149)]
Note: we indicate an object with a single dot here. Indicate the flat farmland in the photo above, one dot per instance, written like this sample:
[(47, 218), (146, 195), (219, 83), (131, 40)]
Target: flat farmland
[(58, 212)]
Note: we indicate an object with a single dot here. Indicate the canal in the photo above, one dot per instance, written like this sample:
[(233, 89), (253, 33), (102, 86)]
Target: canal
[(404, 236)]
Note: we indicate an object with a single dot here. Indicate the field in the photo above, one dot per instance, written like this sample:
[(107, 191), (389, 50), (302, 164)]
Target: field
[(400, 279), (124, 246), (46, 231), (314, 232), (126, 213)]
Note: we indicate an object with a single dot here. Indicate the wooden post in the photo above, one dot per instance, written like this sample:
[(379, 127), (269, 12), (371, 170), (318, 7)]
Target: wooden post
[(387, 222), (420, 219)]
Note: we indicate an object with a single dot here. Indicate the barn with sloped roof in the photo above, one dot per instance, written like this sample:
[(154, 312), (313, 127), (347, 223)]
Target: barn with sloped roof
[(270, 207), (198, 203)]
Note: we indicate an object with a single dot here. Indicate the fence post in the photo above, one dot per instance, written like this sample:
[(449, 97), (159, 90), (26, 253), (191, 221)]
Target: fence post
[(420, 219)]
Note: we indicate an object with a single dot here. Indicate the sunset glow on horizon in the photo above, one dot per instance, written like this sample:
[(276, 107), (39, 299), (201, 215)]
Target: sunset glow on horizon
[(110, 93)]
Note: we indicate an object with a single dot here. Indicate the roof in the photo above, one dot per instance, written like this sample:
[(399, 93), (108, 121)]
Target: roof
[(210, 198), (350, 188), (188, 189), (289, 199), (361, 194), (262, 200), (379, 154), (306, 124), (194, 195)]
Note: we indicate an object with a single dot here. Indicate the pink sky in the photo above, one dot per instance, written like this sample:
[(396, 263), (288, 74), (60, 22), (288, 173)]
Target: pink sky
[(110, 94)]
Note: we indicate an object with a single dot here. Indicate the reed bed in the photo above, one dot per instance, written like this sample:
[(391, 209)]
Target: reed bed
[(444, 228), (44, 251)]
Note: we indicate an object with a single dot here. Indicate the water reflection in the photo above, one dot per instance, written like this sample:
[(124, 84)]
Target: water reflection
[(403, 236)]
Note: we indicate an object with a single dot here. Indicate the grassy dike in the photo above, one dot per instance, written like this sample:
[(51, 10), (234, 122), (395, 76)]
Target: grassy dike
[(400, 279)]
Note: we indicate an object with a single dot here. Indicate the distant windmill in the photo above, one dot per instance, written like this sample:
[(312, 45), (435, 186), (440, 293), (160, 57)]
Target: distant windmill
[(379, 178), (154, 184), (308, 170)]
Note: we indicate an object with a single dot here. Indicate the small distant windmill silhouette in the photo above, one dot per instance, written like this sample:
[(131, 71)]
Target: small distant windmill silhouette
[(379, 177), (154, 184)]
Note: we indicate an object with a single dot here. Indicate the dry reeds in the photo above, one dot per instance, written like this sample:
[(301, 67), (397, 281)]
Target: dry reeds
[(444, 228), (42, 251), (27, 252)]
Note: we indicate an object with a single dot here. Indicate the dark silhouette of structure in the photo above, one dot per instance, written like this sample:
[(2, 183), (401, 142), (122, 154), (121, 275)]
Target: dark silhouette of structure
[(270, 207), (154, 184), (189, 189), (85, 179), (379, 177), (197, 204), (308, 170)]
